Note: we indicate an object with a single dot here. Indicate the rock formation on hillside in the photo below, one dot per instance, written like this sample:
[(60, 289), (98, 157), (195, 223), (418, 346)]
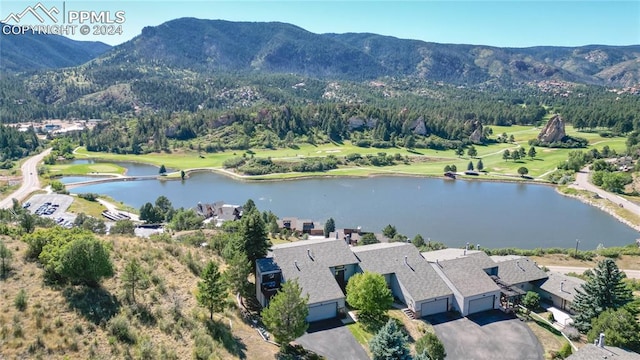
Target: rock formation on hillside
[(418, 127), (553, 131), (477, 133)]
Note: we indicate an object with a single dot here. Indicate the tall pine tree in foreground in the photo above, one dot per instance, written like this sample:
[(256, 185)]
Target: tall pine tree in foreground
[(211, 290), (604, 290), (390, 343)]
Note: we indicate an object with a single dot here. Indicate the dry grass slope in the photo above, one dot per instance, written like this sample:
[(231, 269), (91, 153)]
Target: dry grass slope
[(64, 322)]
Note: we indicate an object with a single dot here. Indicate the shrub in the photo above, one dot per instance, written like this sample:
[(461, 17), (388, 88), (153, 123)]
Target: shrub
[(21, 300), (550, 317), (571, 332), (120, 328), (531, 300), (565, 350)]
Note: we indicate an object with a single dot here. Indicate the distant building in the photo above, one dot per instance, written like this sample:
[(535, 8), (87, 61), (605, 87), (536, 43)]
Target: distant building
[(301, 226), (219, 212)]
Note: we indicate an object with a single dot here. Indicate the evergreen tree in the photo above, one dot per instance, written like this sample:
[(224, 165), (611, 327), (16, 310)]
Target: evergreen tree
[(418, 241), (329, 227), (285, 317), (163, 170), (459, 151), (211, 290), (249, 206), (515, 155), (522, 152), (506, 155), (523, 171), (5, 259), (470, 166), (390, 343), (133, 278), (472, 152), (253, 233), (389, 231), (604, 290), (480, 165), (237, 273), (532, 152)]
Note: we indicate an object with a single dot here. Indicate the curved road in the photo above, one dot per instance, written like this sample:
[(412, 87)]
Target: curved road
[(30, 180), (631, 274), (582, 182)]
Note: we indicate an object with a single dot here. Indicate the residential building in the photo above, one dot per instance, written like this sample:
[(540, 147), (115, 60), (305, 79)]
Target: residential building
[(411, 280), (301, 226), (560, 290), (599, 351), (321, 267)]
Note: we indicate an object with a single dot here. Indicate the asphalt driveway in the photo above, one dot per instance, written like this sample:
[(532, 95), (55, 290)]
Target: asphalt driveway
[(486, 336), (332, 340)]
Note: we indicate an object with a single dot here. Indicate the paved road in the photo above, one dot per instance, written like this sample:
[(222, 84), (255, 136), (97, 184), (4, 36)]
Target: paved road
[(582, 182), (632, 274), (30, 180), (486, 336), (332, 340)]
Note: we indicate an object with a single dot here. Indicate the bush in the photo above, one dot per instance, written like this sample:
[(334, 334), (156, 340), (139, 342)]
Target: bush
[(432, 345), (551, 318), (565, 350), (531, 300), (119, 328), (571, 332), (21, 300)]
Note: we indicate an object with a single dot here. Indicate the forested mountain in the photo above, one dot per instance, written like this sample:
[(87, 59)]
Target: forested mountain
[(215, 45), (33, 52)]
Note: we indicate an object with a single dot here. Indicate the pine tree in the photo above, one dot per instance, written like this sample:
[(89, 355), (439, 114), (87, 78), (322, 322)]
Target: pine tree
[(211, 290), (532, 152), (506, 155), (390, 343), (133, 277), (285, 317), (329, 227), (604, 290), (480, 165), (472, 152), (253, 232), (470, 166)]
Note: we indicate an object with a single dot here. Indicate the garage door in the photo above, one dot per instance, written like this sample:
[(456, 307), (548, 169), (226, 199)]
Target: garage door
[(322, 311), (482, 304), (434, 307)]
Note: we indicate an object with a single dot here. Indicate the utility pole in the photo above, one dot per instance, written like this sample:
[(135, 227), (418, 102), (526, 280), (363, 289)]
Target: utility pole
[(576, 254)]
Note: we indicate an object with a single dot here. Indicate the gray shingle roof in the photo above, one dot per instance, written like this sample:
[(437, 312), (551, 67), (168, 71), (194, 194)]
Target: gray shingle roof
[(592, 352), (467, 275), (309, 262), (418, 278), (480, 258), (520, 270), (554, 285)]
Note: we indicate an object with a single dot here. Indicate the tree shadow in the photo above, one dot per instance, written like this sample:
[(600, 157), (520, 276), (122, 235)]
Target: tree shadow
[(413, 151), (95, 304), (222, 333)]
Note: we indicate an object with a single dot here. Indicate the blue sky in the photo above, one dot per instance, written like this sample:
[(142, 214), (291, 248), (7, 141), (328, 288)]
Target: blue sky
[(512, 23)]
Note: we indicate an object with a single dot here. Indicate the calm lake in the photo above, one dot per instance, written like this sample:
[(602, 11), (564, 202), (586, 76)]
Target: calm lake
[(453, 212)]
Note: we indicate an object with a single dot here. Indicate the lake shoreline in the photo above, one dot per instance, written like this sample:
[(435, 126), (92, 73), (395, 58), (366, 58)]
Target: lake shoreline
[(586, 200)]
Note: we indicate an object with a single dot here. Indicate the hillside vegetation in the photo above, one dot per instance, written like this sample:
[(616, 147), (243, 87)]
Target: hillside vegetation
[(40, 320)]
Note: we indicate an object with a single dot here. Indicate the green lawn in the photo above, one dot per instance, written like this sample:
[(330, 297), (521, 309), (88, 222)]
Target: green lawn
[(361, 335), (82, 169), (425, 162)]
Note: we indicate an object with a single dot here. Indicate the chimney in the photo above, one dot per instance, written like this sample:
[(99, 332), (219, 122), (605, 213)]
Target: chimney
[(601, 340)]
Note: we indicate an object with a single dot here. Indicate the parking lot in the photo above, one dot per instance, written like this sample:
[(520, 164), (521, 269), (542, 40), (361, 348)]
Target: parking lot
[(53, 206)]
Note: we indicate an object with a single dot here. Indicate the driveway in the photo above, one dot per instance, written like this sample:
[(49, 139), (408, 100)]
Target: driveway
[(332, 340), (486, 336)]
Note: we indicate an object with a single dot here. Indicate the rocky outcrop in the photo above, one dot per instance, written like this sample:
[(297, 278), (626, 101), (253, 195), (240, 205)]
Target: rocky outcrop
[(418, 127), (477, 133), (553, 131)]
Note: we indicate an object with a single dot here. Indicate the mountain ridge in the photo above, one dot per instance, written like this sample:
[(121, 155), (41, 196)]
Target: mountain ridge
[(28, 52)]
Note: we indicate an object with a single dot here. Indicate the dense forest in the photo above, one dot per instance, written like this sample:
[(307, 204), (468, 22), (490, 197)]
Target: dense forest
[(15, 145)]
